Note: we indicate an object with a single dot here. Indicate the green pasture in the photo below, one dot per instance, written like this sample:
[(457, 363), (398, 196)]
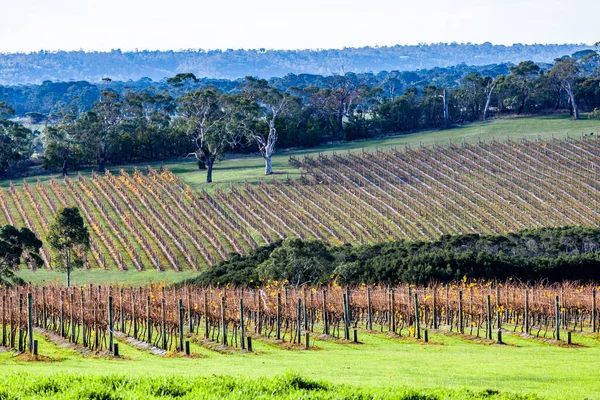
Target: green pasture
[(450, 366)]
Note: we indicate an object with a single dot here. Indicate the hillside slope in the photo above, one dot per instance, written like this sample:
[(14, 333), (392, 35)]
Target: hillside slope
[(154, 221)]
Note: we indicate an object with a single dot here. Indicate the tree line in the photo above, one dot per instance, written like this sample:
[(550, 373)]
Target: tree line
[(188, 116), (550, 254)]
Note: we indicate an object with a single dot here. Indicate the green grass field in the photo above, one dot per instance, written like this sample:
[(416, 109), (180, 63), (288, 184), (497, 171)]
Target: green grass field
[(448, 366)]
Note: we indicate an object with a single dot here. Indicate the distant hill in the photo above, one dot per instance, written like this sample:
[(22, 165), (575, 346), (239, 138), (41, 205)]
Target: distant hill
[(22, 68)]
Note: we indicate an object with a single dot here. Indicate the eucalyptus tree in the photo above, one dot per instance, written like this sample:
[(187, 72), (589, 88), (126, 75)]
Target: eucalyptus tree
[(267, 104), (15, 139), (109, 111), (16, 244), (523, 76), (210, 122), (566, 71)]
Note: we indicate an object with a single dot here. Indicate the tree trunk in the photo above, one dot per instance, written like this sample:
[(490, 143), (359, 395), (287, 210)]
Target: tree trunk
[(201, 165), (67, 256), (573, 103), (102, 164), (268, 165), (446, 116), (340, 124), (64, 167), (209, 168), (487, 102)]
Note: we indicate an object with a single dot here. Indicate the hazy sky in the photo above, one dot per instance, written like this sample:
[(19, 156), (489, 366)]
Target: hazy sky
[(31, 25)]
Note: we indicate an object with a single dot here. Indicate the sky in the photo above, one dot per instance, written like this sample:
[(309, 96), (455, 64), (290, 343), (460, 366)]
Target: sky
[(32, 25)]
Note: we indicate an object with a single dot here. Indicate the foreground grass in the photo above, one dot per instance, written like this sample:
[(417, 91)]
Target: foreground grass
[(236, 169), (381, 367), (289, 386)]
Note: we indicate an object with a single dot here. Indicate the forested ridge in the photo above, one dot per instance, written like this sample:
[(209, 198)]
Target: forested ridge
[(21, 68)]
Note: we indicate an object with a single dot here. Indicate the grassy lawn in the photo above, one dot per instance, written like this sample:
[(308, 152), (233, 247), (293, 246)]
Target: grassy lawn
[(452, 363), (104, 277), (235, 169)]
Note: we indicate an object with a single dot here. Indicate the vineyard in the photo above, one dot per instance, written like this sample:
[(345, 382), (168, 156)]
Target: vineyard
[(165, 318), (152, 220)]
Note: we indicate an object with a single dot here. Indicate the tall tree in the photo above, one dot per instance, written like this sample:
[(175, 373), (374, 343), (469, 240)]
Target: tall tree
[(14, 245), (15, 139), (109, 110), (270, 105), (210, 124), (523, 76), (70, 237), (566, 72)]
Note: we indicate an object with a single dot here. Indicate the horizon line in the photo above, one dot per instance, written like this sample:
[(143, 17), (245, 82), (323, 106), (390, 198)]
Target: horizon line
[(265, 50)]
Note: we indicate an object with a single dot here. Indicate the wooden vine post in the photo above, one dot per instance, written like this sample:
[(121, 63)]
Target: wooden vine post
[(206, 327), (417, 322), (181, 323), (299, 321), (277, 318), (557, 316), (223, 324), (369, 311), (30, 322), (435, 317), (324, 312), (163, 323), (488, 327), (242, 326), (526, 311), (83, 328), (593, 310), (110, 324), (346, 318), (148, 321), (461, 327), (71, 316)]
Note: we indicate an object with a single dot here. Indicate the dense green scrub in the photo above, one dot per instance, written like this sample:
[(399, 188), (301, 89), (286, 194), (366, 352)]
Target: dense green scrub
[(553, 254), (21, 386)]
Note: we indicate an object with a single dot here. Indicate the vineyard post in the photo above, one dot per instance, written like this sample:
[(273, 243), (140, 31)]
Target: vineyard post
[(526, 311), (71, 311), (133, 316), (30, 322), (498, 314), (489, 317), (557, 312), (110, 323), (148, 322), (4, 320), (278, 316), (348, 299), (83, 330), (325, 320), (163, 326), (393, 311), (435, 320), (369, 316), (417, 322), (242, 326), (448, 306), (346, 319), (44, 314), (206, 327), (21, 344), (594, 310), (189, 309), (11, 333), (299, 321), (461, 327), (62, 313), (181, 323), (121, 316), (223, 326)]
